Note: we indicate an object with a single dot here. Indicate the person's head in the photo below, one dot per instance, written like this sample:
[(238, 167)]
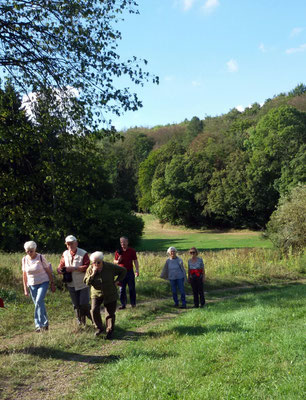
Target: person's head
[(172, 252), (124, 242), (97, 258), (30, 248), (71, 242), (193, 252)]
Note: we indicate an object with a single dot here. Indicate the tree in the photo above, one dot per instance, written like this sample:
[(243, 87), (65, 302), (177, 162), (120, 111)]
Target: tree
[(273, 144), (70, 43), (53, 183), (287, 225)]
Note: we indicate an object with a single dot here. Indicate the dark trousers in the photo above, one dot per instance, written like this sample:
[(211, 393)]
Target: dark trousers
[(80, 301), (130, 281), (109, 312), (197, 290)]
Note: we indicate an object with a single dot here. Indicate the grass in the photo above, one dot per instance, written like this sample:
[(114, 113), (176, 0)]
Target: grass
[(245, 347), (250, 347), (158, 237)]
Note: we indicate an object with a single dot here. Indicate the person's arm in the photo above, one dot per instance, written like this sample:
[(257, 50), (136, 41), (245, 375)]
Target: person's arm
[(120, 272), (136, 267), (49, 273), (89, 275), (116, 259), (188, 271), (164, 273), (82, 268), (61, 265), (25, 283)]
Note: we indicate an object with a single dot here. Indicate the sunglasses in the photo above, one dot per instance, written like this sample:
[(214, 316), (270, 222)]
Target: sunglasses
[(97, 262), (192, 252)]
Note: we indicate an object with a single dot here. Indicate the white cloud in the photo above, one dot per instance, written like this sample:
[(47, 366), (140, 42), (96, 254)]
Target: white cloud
[(299, 49), (196, 83), (210, 6), (262, 48), (232, 65), (169, 78), (187, 4), (296, 31), (240, 108)]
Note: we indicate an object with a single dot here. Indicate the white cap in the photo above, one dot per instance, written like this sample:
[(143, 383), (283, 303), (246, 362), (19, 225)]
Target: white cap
[(70, 238)]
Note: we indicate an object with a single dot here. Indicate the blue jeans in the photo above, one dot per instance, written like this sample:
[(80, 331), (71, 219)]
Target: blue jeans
[(38, 294), (178, 283), (130, 281)]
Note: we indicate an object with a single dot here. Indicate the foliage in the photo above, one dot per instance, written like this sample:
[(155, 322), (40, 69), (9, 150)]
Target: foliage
[(70, 43), (287, 225), (54, 183)]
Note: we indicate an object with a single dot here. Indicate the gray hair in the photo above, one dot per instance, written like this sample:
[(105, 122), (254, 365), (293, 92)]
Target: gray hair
[(171, 249), (125, 238), (30, 245), (96, 256)]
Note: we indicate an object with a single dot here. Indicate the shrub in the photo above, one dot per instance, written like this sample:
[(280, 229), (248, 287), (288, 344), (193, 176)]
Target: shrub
[(287, 225)]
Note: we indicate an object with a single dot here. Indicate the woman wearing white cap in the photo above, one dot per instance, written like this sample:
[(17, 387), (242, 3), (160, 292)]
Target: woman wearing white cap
[(174, 271), (36, 277), (74, 263)]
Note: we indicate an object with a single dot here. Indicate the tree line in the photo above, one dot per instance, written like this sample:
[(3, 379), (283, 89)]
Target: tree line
[(227, 171)]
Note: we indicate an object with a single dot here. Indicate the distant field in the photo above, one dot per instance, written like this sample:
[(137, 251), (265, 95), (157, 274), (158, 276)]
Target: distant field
[(159, 237)]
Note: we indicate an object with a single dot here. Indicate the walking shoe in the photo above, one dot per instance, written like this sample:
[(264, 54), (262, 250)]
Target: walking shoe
[(183, 306), (121, 308), (133, 305), (175, 305), (98, 332), (202, 305), (37, 330), (109, 335), (45, 328), (195, 306)]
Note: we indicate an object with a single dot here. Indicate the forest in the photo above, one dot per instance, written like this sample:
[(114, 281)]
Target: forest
[(226, 171)]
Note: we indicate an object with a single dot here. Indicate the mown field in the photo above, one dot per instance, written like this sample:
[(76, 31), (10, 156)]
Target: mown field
[(246, 344)]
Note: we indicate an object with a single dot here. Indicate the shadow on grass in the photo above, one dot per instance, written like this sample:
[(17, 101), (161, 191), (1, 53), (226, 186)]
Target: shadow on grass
[(276, 296), (49, 352), (158, 245)]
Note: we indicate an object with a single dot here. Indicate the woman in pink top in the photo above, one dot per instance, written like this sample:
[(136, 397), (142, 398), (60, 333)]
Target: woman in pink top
[(36, 277)]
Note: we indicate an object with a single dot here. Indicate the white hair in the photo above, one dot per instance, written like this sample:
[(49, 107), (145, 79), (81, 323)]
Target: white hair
[(30, 245), (96, 256), (171, 249)]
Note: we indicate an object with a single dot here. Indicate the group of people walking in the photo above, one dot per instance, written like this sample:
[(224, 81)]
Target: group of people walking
[(93, 277)]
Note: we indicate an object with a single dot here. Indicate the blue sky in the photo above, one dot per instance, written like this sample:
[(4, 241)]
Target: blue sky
[(213, 55)]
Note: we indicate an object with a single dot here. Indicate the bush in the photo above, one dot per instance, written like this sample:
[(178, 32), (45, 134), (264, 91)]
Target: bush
[(287, 225)]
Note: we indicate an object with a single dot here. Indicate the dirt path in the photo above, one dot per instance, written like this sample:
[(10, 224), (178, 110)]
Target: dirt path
[(60, 378)]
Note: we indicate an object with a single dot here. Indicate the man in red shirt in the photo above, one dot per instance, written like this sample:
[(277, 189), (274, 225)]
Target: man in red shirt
[(126, 257)]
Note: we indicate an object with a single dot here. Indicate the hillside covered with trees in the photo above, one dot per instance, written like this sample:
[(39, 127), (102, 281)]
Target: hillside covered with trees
[(225, 171)]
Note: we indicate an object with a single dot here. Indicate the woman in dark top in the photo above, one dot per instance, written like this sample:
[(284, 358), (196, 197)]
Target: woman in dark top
[(196, 277)]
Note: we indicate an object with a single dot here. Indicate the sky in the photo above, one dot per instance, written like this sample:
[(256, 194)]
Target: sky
[(212, 56)]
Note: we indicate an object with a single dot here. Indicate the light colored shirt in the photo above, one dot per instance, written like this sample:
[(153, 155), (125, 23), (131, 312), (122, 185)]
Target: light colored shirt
[(175, 270), (35, 269)]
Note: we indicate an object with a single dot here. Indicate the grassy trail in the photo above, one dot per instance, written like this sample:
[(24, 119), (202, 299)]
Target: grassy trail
[(55, 364)]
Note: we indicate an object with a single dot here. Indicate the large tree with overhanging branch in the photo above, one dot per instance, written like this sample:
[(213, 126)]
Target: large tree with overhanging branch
[(71, 43)]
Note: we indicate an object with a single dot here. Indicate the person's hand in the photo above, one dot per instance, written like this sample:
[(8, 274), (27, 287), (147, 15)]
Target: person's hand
[(95, 268), (70, 269), (53, 287), (137, 274), (26, 293), (118, 283)]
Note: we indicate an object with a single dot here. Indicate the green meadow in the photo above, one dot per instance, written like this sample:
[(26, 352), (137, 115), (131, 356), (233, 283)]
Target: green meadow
[(158, 237), (247, 343)]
